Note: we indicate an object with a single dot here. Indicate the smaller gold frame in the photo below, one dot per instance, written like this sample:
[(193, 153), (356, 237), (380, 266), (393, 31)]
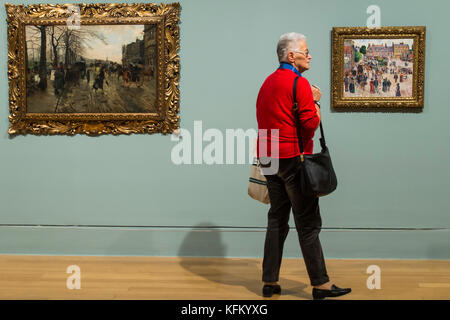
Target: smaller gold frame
[(416, 100), (165, 120)]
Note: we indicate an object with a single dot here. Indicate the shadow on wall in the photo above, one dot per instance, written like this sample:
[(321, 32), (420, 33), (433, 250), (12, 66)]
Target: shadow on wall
[(204, 240)]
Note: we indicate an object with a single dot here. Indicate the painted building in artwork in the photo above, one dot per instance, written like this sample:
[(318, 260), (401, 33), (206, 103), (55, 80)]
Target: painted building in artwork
[(401, 50), (133, 53), (142, 51), (349, 55), (379, 50), (150, 53)]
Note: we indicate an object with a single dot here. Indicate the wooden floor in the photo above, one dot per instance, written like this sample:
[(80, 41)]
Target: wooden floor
[(158, 278)]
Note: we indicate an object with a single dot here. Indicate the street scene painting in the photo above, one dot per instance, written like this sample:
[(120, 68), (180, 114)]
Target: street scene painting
[(91, 69), (378, 67)]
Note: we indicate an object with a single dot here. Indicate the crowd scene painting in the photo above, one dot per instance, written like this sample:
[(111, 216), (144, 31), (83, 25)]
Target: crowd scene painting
[(378, 67), (93, 69)]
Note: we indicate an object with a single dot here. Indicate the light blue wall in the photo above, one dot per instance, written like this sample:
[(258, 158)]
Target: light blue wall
[(122, 195)]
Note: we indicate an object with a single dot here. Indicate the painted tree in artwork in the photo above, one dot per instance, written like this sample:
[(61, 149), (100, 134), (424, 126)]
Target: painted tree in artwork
[(363, 50), (75, 41), (43, 59), (55, 44), (38, 41), (56, 36), (358, 55)]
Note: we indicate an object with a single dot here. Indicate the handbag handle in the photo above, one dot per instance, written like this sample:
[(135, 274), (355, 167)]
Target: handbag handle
[(297, 120)]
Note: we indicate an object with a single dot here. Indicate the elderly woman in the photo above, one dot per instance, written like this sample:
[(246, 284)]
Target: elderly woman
[(280, 160)]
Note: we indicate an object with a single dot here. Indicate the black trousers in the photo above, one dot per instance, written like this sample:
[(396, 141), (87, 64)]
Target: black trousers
[(284, 194)]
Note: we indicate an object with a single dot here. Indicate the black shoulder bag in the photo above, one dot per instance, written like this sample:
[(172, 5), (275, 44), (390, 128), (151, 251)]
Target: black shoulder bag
[(316, 173)]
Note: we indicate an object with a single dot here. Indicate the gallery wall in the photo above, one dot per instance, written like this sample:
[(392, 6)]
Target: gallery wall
[(123, 195)]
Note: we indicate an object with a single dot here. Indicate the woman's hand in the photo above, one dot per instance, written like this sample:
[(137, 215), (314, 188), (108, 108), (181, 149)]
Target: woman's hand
[(318, 112), (316, 93)]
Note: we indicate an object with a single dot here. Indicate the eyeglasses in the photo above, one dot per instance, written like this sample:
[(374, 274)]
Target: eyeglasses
[(307, 53)]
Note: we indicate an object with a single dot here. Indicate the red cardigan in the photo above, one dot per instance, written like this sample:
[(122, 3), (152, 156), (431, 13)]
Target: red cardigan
[(274, 111)]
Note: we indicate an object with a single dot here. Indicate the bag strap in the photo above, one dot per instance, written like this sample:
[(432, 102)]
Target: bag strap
[(297, 121)]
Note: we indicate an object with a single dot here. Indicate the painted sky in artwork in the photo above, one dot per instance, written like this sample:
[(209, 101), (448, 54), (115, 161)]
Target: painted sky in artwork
[(107, 48), (115, 37)]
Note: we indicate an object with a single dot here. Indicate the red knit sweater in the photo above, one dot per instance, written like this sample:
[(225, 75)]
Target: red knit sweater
[(274, 111)]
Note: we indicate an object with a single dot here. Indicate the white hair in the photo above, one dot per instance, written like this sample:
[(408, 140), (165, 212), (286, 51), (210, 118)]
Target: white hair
[(286, 43)]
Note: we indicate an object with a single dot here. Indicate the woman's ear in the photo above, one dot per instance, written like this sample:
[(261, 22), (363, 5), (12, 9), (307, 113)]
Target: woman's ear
[(291, 56)]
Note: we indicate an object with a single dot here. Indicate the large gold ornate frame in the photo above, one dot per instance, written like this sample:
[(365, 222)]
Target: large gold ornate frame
[(165, 121), (337, 62)]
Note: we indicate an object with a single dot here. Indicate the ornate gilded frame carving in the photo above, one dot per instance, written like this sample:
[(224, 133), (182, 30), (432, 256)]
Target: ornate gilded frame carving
[(165, 121), (339, 34)]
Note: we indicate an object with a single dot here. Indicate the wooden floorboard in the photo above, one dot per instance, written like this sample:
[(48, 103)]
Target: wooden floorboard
[(164, 278)]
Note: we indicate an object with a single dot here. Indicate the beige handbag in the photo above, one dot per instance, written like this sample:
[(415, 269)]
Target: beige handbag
[(257, 183)]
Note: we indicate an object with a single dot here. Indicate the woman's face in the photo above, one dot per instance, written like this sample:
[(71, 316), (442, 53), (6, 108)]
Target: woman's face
[(300, 56)]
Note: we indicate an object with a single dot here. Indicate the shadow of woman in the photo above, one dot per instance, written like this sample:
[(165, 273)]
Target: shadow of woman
[(204, 240)]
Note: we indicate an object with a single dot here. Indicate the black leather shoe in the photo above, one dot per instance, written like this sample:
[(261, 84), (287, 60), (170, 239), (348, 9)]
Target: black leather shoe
[(269, 290), (319, 294)]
